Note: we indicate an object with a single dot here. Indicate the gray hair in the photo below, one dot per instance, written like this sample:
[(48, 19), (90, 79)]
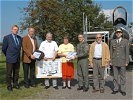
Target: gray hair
[(99, 34), (30, 28), (49, 33)]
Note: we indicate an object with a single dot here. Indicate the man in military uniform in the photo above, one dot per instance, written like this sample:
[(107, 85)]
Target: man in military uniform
[(82, 64), (119, 52)]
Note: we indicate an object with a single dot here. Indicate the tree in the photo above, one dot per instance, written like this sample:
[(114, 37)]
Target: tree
[(62, 17)]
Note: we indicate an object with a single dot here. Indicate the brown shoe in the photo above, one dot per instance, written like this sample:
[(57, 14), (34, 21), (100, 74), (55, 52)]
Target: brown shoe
[(102, 90), (94, 91)]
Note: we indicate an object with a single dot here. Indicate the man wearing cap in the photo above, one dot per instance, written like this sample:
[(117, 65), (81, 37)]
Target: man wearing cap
[(119, 52)]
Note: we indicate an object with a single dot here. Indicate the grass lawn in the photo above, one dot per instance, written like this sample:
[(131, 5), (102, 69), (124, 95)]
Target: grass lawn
[(17, 94)]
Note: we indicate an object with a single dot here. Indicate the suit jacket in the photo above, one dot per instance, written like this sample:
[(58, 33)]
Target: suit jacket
[(28, 48), (9, 48), (82, 50), (119, 52), (105, 53)]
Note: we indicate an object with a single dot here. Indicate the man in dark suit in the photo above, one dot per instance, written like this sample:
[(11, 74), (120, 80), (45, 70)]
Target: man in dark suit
[(119, 52), (29, 45), (11, 48)]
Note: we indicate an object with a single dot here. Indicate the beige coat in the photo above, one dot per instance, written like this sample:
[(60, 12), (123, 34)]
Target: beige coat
[(105, 54)]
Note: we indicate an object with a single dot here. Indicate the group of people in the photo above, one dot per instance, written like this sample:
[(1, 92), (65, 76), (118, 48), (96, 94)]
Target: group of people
[(98, 55)]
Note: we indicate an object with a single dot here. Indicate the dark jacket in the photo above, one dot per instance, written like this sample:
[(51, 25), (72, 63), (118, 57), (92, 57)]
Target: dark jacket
[(9, 48)]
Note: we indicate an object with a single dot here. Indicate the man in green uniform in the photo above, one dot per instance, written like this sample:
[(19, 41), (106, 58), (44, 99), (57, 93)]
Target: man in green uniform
[(82, 64), (119, 52)]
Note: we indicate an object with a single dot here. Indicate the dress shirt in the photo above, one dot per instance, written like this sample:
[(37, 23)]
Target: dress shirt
[(32, 41), (49, 48), (119, 40), (98, 50)]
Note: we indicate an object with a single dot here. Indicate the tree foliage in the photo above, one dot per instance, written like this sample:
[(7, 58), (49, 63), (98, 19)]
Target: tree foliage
[(62, 17)]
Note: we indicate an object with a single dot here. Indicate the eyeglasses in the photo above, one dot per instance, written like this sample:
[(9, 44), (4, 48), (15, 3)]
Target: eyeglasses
[(118, 32), (98, 37)]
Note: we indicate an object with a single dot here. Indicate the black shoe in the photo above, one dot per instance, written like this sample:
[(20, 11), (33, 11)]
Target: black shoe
[(63, 87), (80, 88), (102, 90), (85, 89), (33, 85), (114, 92), (9, 88), (123, 93), (26, 86), (95, 90), (69, 87), (56, 87), (46, 87), (16, 87)]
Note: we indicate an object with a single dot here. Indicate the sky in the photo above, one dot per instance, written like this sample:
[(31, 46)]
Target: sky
[(10, 13), (109, 5)]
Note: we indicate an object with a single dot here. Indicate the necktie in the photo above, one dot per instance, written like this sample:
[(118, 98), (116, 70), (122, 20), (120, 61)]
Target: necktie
[(16, 41), (118, 41)]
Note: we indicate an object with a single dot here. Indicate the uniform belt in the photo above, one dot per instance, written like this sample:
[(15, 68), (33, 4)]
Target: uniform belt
[(97, 58)]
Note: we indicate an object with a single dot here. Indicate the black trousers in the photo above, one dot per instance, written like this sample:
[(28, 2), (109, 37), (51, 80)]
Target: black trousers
[(12, 68), (29, 68)]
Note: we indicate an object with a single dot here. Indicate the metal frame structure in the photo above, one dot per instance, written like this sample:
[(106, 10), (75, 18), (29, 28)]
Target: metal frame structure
[(90, 36)]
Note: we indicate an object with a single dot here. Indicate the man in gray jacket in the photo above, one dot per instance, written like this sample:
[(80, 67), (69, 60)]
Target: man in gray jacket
[(82, 64), (119, 52)]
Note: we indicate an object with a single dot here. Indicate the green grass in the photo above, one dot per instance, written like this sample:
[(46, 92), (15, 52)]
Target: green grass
[(16, 94)]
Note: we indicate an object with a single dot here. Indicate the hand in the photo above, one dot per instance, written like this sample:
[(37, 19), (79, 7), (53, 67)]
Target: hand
[(107, 65), (126, 65), (62, 55), (91, 64), (32, 57), (65, 56), (45, 58), (75, 57), (53, 58)]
